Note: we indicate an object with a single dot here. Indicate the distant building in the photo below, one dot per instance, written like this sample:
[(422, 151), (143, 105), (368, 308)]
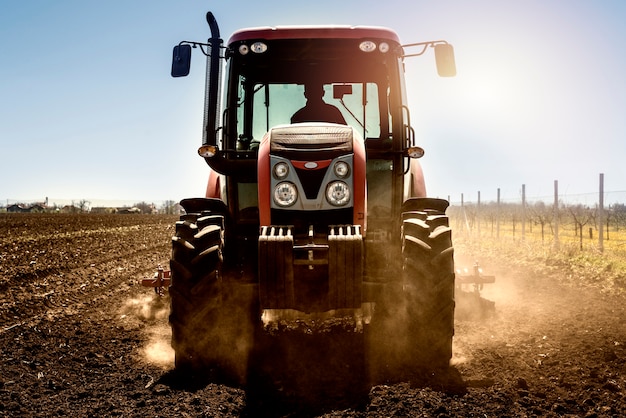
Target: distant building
[(32, 208), (127, 211), (18, 208), (37, 208), (103, 209), (70, 209)]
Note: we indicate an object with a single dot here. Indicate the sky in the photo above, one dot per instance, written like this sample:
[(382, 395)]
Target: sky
[(88, 110)]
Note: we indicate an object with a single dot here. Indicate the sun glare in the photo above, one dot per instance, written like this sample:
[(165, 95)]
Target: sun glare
[(500, 93), (484, 93)]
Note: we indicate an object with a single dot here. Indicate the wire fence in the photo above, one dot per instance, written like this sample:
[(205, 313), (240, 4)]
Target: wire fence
[(588, 221)]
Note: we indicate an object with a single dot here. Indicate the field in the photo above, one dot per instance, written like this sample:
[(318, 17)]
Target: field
[(79, 337)]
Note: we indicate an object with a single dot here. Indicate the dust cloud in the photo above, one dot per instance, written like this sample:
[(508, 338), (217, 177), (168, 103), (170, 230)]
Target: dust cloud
[(522, 306), (150, 312), (147, 307), (158, 350)]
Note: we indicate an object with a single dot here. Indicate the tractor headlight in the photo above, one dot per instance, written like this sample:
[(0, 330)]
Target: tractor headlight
[(258, 47), (281, 170), (338, 193), (285, 194), (367, 46), (342, 169)]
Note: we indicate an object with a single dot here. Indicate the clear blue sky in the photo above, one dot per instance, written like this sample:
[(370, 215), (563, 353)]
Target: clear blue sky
[(88, 109)]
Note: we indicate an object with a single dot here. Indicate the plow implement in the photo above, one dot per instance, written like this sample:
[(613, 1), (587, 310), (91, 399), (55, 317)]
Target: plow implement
[(160, 281), (468, 285), (474, 278)]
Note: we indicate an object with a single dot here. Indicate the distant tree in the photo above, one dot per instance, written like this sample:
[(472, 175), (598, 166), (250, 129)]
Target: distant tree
[(469, 214), (542, 216), (491, 212), (582, 215), (83, 205), (511, 212), (145, 207), (169, 207), (514, 212), (618, 214)]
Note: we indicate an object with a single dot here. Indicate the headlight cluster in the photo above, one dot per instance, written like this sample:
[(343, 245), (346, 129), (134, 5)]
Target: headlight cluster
[(370, 46), (285, 194), (257, 48), (342, 169), (281, 170), (337, 192)]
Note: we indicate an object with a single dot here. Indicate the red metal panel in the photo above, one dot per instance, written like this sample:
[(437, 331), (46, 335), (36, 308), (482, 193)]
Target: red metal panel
[(360, 197), (319, 164), (314, 32), (263, 177), (213, 185)]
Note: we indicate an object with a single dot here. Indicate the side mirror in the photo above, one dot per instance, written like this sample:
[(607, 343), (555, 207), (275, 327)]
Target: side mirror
[(444, 56), (181, 60)]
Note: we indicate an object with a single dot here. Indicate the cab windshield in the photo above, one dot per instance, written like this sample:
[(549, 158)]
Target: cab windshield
[(272, 104)]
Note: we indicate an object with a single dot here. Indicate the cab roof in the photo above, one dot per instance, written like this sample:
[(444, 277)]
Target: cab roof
[(314, 32)]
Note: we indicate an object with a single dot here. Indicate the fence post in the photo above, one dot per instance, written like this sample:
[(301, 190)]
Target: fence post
[(498, 216), (556, 214), (523, 211), (601, 215), (467, 226), (478, 216)]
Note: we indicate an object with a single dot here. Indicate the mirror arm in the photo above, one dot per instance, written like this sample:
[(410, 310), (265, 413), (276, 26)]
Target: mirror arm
[(202, 46), (424, 46)]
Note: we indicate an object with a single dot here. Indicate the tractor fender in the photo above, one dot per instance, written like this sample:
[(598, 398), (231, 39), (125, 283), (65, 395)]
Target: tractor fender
[(417, 182), (422, 203), (213, 185), (200, 204)]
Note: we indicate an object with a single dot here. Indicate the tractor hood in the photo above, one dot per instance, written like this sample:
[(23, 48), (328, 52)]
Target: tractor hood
[(313, 140), (311, 137)]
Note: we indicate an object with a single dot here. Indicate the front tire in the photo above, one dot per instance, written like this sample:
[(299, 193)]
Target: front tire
[(196, 290), (428, 268)]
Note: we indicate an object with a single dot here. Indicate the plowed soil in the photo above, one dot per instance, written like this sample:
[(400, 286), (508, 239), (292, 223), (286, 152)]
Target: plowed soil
[(79, 337)]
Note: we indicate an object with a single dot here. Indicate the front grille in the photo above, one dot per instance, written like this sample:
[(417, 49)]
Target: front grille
[(311, 181)]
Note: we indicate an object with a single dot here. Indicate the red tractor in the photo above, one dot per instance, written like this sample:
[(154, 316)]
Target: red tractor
[(315, 218)]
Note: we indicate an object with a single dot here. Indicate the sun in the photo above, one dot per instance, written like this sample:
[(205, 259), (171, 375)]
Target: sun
[(485, 93)]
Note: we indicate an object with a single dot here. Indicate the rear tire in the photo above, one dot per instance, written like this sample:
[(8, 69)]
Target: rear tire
[(428, 268)]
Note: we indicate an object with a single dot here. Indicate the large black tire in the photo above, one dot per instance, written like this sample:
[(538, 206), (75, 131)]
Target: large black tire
[(195, 291), (428, 267)]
